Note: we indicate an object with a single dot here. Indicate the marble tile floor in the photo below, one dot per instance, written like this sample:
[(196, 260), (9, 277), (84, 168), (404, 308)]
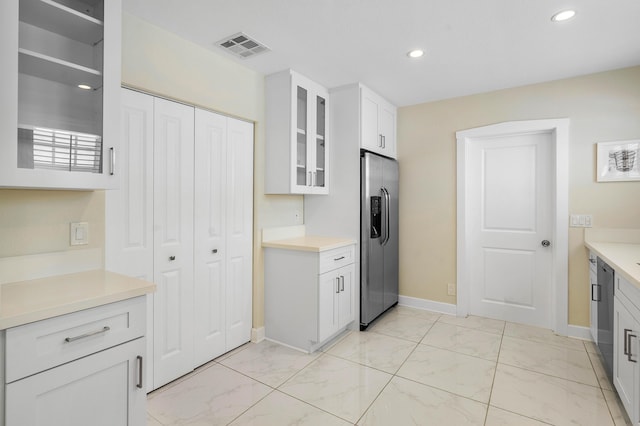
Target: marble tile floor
[(410, 367)]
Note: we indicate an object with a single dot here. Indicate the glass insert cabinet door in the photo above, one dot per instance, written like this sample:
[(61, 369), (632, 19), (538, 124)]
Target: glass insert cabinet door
[(319, 177), (301, 137), (60, 85), (310, 134)]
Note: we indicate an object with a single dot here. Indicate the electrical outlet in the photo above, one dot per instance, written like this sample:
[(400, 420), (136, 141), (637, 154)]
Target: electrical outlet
[(451, 289)]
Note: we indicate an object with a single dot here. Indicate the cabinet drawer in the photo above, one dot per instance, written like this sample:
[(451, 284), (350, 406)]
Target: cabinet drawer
[(336, 258), (627, 291), (41, 345)]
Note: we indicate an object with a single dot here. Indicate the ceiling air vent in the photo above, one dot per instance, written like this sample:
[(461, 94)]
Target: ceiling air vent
[(242, 45)]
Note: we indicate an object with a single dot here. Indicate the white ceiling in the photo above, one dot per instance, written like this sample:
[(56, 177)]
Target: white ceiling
[(472, 46)]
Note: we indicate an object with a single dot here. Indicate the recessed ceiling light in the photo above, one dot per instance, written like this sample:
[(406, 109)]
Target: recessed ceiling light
[(563, 16), (84, 86), (416, 53)]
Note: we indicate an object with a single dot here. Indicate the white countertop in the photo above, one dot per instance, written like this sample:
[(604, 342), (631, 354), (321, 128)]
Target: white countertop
[(309, 243), (34, 300), (620, 248)]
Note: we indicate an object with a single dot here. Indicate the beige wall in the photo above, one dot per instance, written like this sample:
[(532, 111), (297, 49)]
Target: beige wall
[(33, 222), (601, 107)]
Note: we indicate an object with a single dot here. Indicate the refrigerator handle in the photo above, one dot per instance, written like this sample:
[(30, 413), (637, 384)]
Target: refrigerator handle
[(387, 204)]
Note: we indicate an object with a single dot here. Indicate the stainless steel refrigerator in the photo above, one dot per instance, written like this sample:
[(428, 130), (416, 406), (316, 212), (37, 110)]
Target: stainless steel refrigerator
[(378, 236)]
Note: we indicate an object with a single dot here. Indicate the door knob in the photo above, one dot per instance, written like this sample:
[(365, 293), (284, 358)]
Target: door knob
[(214, 251), (546, 243)]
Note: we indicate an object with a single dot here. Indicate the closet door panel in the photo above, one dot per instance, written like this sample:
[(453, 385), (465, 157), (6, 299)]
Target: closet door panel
[(129, 210), (240, 232), (210, 234), (173, 240)]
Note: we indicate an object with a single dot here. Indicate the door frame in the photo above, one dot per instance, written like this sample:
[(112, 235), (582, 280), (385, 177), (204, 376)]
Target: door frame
[(559, 131)]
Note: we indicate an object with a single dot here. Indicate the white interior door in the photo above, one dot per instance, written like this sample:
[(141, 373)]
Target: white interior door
[(173, 240), (510, 193), (210, 235), (239, 252)]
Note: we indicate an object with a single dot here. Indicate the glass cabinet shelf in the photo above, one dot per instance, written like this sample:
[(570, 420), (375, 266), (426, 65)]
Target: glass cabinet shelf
[(54, 69), (56, 17)]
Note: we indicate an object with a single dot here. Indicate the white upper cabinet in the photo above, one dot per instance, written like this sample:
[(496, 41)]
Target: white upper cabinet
[(60, 85), (297, 129), (378, 121)]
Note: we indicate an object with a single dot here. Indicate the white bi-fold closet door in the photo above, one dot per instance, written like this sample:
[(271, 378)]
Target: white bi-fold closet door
[(183, 218)]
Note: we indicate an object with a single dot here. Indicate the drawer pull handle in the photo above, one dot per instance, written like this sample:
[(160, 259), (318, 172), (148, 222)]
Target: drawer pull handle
[(139, 384), (626, 341), (339, 258), (89, 334), (629, 336)]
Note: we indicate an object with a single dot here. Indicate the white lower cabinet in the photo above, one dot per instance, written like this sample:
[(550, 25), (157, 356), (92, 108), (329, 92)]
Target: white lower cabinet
[(183, 218), (83, 368), (309, 296), (335, 300), (626, 371), (99, 390)]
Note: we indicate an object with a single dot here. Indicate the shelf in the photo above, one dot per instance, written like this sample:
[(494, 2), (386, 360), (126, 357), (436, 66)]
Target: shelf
[(320, 137), (60, 19), (301, 166), (48, 68), (302, 132)]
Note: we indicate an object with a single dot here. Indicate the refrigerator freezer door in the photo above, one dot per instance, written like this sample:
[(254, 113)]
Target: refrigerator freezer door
[(372, 268)]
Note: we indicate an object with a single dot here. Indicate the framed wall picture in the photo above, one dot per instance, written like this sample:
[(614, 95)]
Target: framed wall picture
[(618, 161)]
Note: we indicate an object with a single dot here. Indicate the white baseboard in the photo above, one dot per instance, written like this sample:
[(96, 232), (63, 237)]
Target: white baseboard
[(427, 305), (579, 332), (257, 335)]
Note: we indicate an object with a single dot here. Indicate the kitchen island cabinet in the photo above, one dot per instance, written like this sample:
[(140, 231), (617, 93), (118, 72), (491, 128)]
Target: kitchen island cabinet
[(74, 349)]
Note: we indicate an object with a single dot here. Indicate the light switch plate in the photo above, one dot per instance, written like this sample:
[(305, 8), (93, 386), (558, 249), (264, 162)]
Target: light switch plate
[(581, 221), (79, 233)]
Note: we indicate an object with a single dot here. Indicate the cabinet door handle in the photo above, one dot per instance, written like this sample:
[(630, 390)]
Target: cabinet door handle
[(629, 336), (626, 341), (172, 258), (384, 141), (337, 285), (140, 368), (341, 282), (89, 334), (380, 140), (112, 161), (214, 251)]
